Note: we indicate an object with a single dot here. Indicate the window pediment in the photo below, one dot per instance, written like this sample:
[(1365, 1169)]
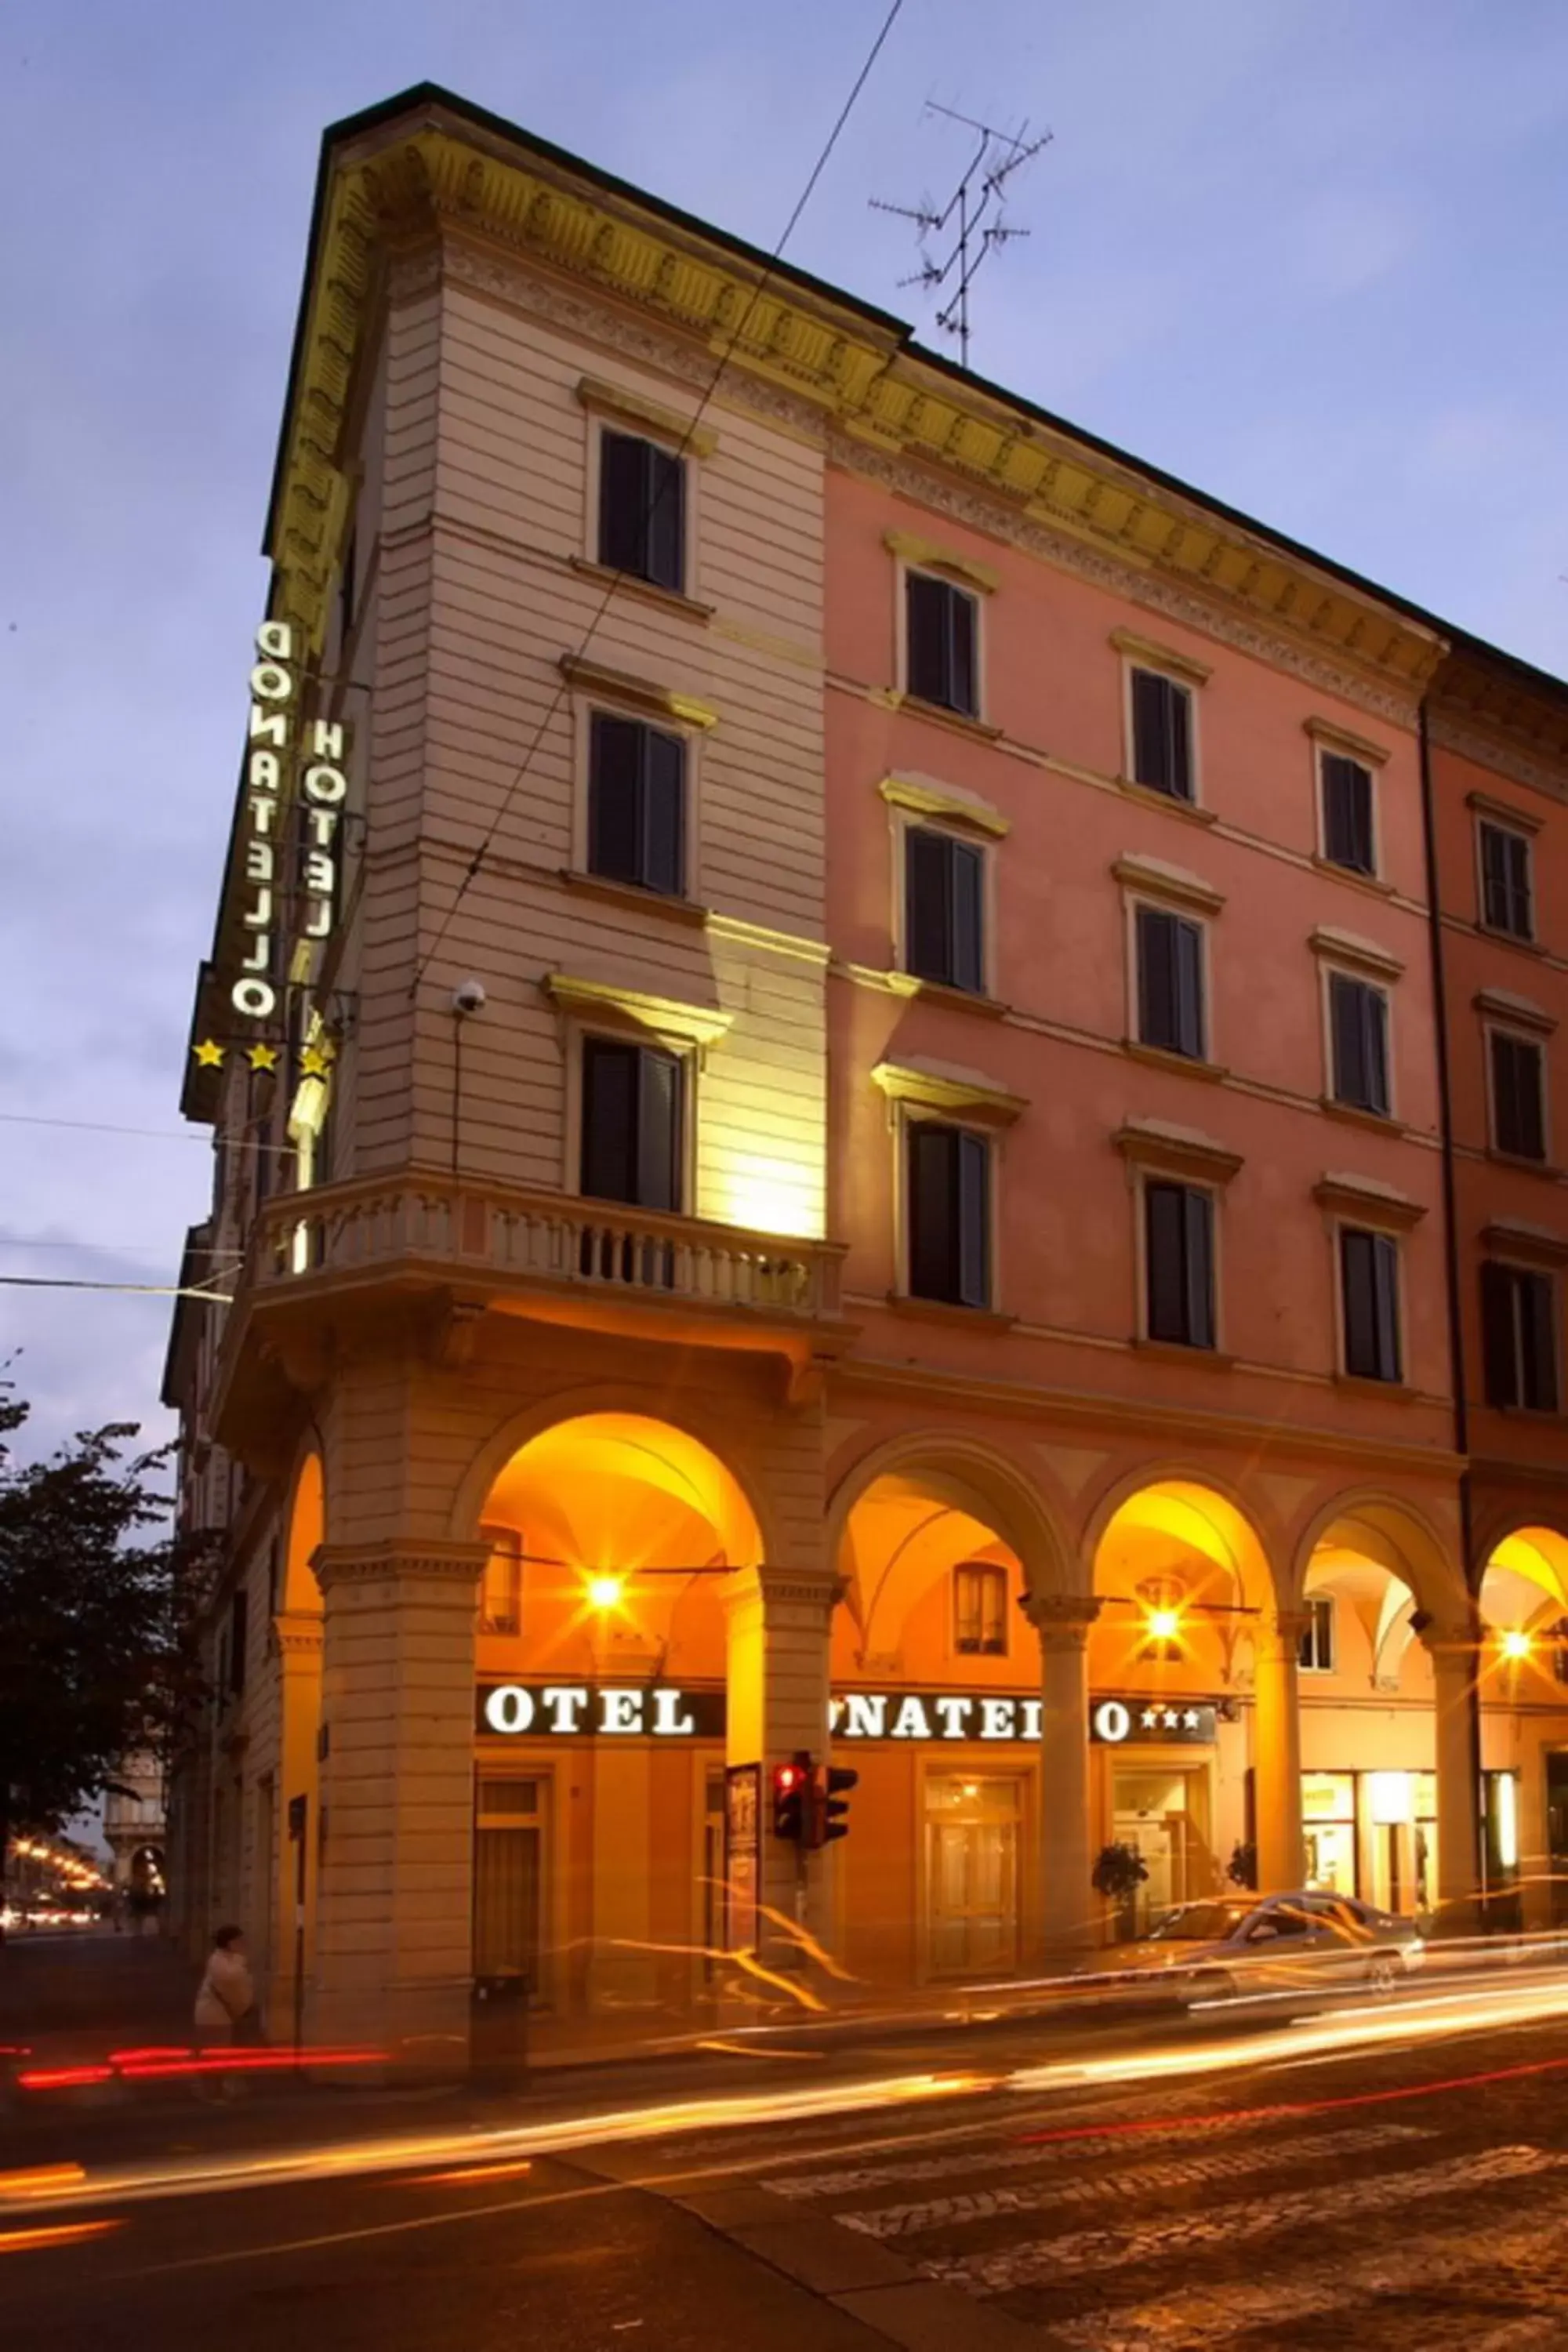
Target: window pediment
[(634, 1010), (642, 694), (946, 1086), (1368, 1201), (1171, 1150), (1358, 954), (1173, 884)]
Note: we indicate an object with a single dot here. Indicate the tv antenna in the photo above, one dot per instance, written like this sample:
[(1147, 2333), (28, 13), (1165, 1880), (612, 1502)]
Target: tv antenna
[(974, 214)]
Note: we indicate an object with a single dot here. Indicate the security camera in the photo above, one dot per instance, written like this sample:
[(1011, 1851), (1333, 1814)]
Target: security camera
[(468, 996)]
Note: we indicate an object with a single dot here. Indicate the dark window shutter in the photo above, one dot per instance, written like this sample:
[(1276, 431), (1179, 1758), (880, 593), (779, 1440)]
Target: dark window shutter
[(1537, 1341), (932, 1206), (1374, 1048), (1385, 1305), (1369, 1277), (1518, 1111), (609, 1120), (925, 609), (1161, 735), (1521, 918), (663, 858), (963, 669), (1344, 1009), (666, 542), (658, 1131), (623, 501), (1189, 962), (1198, 1209), (1156, 978), (973, 1221), (925, 902), (1347, 813), (615, 772), (1165, 1241), (968, 876), (1500, 1356), (1506, 881)]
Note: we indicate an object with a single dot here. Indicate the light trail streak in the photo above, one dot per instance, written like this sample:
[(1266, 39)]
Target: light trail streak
[(61, 2233)]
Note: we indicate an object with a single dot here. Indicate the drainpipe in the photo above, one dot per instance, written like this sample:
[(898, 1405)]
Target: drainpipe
[(1451, 1247)]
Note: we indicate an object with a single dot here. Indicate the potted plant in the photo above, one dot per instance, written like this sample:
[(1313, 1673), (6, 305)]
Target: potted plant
[(1242, 1868), (1119, 1873)]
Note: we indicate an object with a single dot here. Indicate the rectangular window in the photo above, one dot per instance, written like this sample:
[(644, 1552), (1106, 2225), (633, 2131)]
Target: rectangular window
[(1358, 1025), (1347, 814), (949, 1214), (942, 639), (642, 510), (979, 1610), (1505, 896), (1519, 1315), (1316, 1654), (637, 804), (632, 1101), (1178, 1242), (1162, 734), (944, 886), (1369, 1292), (1519, 1096), (500, 1588), (1171, 982)]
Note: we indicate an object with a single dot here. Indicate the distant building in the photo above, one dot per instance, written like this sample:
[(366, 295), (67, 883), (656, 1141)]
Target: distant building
[(881, 1081), (135, 1828)]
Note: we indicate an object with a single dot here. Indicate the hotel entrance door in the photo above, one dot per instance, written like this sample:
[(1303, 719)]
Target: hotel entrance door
[(1152, 1812), (971, 1875), (507, 1832)]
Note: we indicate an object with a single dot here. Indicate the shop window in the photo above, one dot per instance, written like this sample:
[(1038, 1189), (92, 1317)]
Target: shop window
[(1518, 1318), (632, 1105), (944, 882), (642, 510), (949, 1179), (942, 639), (1347, 833), (637, 804), (1369, 1292), (1358, 1030), (1178, 1228), (1171, 982), (1329, 1832), (1506, 895), (979, 1610), (1316, 1654), (500, 1588), (1518, 1095), (508, 1857), (1162, 734)]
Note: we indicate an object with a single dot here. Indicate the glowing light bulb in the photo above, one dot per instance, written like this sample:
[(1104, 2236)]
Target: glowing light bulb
[(1165, 1624), (1516, 1642), (605, 1591)]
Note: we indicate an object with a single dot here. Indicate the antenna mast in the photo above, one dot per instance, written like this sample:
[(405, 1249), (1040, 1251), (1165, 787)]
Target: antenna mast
[(974, 214)]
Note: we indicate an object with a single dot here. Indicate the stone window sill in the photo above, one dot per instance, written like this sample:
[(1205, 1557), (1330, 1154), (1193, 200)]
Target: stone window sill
[(944, 1311), (629, 894), (976, 729), (1379, 1122), (627, 584), (1147, 797), (1545, 1168), (961, 1000), (1358, 1384), (1176, 1351), (1358, 881), (1511, 940), (1162, 1058)]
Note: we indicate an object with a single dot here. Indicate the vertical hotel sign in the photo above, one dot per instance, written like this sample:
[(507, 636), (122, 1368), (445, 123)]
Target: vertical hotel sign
[(276, 740)]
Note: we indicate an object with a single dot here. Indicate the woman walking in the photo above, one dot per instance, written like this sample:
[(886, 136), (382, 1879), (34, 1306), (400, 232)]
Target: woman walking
[(226, 2014)]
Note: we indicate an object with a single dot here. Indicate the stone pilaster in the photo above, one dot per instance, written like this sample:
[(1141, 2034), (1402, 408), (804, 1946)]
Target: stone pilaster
[(1454, 1652), (1067, 1900), (297, 1641), (1277, 1750), (780, 1621), (393, 1958)]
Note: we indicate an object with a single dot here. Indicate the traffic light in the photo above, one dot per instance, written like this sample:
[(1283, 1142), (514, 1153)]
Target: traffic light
[(836, 1783), (792, 1795)]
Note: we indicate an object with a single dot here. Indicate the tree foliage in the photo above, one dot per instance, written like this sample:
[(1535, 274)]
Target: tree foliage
[(97, 1592)]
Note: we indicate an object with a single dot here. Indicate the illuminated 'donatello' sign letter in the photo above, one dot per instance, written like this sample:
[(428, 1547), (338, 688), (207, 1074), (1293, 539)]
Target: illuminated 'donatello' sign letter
[(272, 745)]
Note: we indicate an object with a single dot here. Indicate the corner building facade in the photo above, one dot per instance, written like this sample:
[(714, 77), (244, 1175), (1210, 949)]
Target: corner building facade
[(848, 1148)]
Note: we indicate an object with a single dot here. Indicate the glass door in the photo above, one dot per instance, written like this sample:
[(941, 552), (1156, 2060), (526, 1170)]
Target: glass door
[(509, 1831), (971, 1875)]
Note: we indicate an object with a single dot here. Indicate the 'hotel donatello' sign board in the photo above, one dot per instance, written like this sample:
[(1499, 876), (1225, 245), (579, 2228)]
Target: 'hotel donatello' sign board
[(276, 739), (668, 1711)]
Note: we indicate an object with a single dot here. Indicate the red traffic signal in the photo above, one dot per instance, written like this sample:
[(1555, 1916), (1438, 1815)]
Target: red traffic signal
[(792, 1794)]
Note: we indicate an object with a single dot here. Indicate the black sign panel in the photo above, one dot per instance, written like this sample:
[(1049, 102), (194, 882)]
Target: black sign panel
[(598, 1711), (672, 1711)]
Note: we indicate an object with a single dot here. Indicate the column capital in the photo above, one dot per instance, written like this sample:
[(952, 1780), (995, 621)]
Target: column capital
[(786, 1587), (1281, 1628), (297, 1634), (1062, 1620), (398, 1560), (1454, 1641)]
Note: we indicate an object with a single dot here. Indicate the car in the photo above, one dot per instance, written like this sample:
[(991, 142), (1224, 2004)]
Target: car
[(1225, 1946)]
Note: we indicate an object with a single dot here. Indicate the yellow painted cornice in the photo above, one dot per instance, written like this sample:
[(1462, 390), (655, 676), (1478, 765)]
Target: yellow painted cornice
[(991, 462)]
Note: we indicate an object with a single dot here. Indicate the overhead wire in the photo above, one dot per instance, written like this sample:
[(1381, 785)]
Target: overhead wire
[(476, 861)]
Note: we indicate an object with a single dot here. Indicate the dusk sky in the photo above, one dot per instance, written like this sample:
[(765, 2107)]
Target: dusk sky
[(1307, 255)]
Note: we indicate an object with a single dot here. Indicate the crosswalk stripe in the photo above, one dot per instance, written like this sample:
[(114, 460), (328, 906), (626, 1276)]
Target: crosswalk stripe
[(1429, 2262), (1044, 2262), (1192, 2171)]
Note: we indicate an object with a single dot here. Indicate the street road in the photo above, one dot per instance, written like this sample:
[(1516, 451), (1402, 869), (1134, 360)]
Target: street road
[(1411, 2192)]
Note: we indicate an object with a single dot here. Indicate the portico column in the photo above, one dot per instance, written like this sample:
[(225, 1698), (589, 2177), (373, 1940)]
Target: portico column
[(296, 1638), (1454, 1655), (393, 1955), (780, 1621), (1068, 1910), (1277, 1751)]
